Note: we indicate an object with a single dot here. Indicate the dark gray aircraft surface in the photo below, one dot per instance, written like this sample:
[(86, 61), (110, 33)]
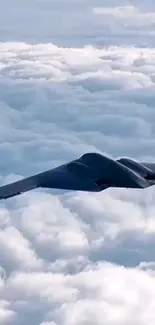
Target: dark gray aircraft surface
[(92, 172)]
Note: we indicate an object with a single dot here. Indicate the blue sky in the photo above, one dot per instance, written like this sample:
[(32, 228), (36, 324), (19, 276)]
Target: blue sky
[(76, 76)]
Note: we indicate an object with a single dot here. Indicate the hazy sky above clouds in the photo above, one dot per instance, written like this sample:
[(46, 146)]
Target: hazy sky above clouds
[(76, 76)]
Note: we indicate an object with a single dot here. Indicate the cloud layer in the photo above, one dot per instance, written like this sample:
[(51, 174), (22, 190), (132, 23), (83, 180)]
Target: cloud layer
[(86, 84)]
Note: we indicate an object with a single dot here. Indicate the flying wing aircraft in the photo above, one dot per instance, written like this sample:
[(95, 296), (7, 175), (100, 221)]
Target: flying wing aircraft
[(92, 172)]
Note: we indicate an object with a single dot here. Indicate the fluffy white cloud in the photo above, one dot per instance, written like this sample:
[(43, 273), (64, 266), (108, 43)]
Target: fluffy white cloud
[(85, 84), (106, 293)]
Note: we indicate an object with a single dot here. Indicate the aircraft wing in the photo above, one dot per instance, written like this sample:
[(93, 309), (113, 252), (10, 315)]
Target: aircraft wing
[(18, 187), (72, 176)]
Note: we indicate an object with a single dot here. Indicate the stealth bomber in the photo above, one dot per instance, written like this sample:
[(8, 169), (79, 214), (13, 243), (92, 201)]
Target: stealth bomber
[(92, 172)]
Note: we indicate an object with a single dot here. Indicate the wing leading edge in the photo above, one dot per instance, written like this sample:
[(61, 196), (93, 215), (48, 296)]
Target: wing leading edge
[(18, 187), (65, 177)]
